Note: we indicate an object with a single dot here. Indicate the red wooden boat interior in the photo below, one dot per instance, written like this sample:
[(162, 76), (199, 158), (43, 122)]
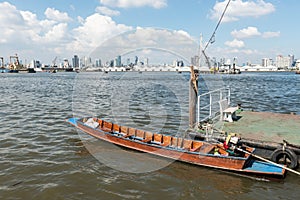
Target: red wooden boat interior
[(161, 139), (187, 150)]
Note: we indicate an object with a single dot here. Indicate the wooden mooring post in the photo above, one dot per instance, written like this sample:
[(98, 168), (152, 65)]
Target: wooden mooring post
[(193, 96)]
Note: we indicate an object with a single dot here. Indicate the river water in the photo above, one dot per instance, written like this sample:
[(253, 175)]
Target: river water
[(43, 157)]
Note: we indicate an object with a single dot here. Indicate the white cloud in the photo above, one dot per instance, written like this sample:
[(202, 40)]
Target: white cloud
[(253, 32), (134, 3), (56, 15), (246, 33), (94, 30), (30, 36), (17, 27), (23, 33), (57, 33), (239, 8), (106, 11), (29, 17), (9, 14), (235, 43), (271, 34)]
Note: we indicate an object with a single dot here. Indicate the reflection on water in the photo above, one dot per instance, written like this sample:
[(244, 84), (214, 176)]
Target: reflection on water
[(42, 157)]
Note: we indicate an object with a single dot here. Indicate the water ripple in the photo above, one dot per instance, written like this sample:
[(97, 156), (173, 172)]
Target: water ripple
[(44, 158)]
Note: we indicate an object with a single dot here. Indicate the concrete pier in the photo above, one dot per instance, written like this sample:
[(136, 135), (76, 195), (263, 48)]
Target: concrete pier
[(273, 127)]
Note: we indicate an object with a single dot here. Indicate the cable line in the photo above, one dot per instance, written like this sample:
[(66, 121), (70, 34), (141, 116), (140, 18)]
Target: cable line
[(212, 38)]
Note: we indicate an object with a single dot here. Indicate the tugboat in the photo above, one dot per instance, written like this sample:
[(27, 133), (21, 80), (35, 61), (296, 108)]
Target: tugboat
[(67, 67)]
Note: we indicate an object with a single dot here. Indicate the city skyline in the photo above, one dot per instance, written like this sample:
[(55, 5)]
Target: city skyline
[(280, 61), (48, 29)]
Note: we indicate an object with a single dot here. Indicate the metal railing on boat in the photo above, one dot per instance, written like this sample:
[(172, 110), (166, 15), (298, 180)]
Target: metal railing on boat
[(208, 107)]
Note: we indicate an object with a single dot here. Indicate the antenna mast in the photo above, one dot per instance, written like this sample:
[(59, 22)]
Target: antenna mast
[(200, 51)]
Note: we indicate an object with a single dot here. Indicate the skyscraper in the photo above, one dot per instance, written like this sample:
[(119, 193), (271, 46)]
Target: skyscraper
[(75, 61), (195, 61), (118, 61), (98, 63)]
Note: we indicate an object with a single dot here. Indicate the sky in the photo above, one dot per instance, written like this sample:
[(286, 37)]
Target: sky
[(250, 30)]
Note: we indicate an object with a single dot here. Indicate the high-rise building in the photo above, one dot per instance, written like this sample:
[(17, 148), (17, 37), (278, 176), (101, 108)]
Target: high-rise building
[(283, 62), (98, 63), (66, 63), (35, 64), (75, 61), (267, 62), (195, 61), (128, 61), (118, 61), (292, 60), (146, 62), (86, 62)]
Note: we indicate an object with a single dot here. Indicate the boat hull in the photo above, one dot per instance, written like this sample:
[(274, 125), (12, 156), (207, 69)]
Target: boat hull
[(203, 157)]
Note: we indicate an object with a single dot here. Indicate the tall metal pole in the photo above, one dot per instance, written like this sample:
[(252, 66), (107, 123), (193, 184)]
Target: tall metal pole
[(200, 52), (193, 96)]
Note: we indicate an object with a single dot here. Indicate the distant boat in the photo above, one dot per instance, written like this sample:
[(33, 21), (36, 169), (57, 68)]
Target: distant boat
[(38, 70), (13, 71), (298, 72), (52, 71), (69, 69), (31, 70), (186, 150), (3, 70)]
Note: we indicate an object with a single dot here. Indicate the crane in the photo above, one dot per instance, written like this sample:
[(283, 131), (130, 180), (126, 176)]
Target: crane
[(54, 62), (14, 62)]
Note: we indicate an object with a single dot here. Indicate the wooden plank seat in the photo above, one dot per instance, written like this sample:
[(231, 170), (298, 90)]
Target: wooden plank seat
[(207, 148), (157, 139), (116, 128), (166, 140), (123, 130), (130, 133), (139, 135), (179, 143), (174, 142), (187, 144), (107, 126), (148, 137), (196, 145), (100, 121)]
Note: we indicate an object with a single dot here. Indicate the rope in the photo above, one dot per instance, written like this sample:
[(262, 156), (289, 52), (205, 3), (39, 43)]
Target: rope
[(214, 33), (284, 146)]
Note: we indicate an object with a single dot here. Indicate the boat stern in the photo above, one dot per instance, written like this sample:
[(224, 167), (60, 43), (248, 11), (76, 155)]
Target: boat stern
[(264, 168)]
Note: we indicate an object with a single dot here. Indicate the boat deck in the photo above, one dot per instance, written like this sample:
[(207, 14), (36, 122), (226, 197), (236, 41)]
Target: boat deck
[(273, 127)]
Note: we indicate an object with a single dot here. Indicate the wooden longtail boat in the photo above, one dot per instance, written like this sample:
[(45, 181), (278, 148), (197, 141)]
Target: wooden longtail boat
[(186, 150)]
